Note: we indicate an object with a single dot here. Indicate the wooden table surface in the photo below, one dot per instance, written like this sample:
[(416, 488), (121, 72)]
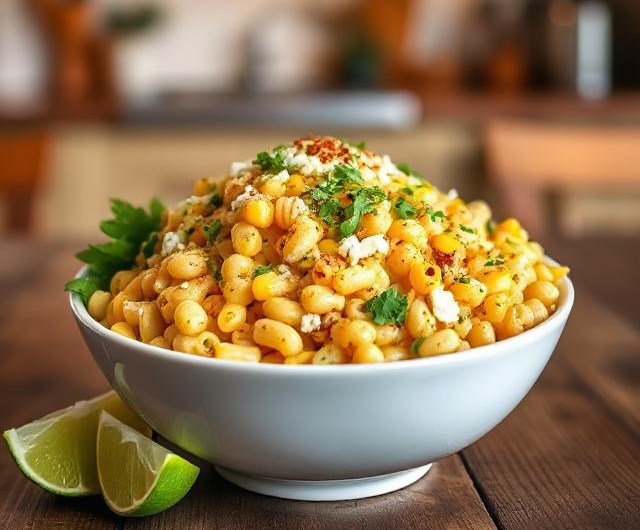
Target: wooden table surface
[(567, 457)]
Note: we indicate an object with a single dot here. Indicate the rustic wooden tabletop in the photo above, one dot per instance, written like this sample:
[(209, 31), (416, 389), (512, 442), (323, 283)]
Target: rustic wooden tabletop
[(567, 457)]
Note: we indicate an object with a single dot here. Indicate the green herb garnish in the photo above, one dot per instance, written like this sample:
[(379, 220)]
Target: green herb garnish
[(361, 145), (362, 202), (262, 269), (406, 169), (415, 345), (490, 226), (216, 200), (390, 307), (434, 215), (464, 279), (270, 162), (212, 230), (498, 260), (131, 230), (404, 209), (407, 190), (467, 229)]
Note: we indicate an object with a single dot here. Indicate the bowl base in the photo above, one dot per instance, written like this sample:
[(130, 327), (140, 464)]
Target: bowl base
[(325, 490)]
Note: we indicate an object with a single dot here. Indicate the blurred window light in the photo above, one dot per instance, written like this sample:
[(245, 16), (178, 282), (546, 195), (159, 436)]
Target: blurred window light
[(594, 50)]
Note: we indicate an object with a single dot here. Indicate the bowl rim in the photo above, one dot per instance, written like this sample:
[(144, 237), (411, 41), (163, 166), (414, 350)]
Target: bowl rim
[(477, 354)]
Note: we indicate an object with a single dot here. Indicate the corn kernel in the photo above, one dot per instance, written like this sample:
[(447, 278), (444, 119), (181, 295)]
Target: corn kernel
[(445, 243)]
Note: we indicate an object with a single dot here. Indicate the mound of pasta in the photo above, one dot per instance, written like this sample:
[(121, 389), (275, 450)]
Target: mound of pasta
[(323, 252)]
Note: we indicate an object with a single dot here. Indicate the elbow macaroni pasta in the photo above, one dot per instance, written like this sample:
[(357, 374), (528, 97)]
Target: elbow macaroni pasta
[(288, 260)]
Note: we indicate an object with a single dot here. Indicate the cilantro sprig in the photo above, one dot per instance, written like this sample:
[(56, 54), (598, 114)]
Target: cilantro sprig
[(344, 179), (434, 215), (404, 209), (390, 307), (467, 229), (271, 162), (132, 229), (212, 230), (262, 269)]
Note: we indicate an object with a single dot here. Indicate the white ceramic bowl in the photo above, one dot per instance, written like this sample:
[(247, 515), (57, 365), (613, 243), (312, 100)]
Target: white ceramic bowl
[(324, 432)]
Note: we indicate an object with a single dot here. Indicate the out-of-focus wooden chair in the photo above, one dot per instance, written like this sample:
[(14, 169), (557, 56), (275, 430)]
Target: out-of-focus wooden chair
[(527, 160), (22, 164)]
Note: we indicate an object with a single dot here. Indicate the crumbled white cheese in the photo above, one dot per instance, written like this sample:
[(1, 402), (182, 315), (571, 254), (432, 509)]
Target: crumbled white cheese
[(283, 270), (444, 306), (281, 177), (306, 164), (367, 174), (387, 168), (248, 192), (310, 322), (354, 250), (194, 199), (299, 208), (452, 194), (172, 242), (239, 167), (184, 285)]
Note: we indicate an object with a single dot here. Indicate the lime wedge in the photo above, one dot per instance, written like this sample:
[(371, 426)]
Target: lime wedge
[(139, 477), (58, 451)]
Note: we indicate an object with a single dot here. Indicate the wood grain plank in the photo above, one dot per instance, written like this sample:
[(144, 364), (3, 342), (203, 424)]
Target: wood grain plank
[(443, 499), (44, 366), (568, 456)]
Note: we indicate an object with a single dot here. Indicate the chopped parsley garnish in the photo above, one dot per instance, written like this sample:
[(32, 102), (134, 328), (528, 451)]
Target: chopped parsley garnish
[(490, 226), (407, 190), (464, 279), (329, 211), (362, 202), (467, 229), (406, 169), (434, 215), (415, 345), (361, 145), (131, 230), (404, 209), (344, 179), (212, 230), (270, 162), (390, 307), (498, 260), (216, 200), (340, 178), (262, 269)]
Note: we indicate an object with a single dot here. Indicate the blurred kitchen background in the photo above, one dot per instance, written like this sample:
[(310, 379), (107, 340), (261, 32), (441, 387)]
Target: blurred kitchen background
[(532, 104)]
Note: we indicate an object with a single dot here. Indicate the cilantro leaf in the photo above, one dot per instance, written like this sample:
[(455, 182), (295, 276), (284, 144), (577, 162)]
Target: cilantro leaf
[(406, 169), (361, 145), (464, 279), (404, 209), (490, 226), (390, 307), (328, 212), (262, 269), (212, 230), (467, 229), (498, 260), (363, 201), (415, 345), (434, 215), (216, 200), (407, 190), (270, 162), (132, 230), (345, 174)]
